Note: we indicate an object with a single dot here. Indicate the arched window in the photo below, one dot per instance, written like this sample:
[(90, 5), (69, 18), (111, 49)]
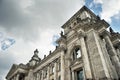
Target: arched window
[(53, 69), (76, 53)]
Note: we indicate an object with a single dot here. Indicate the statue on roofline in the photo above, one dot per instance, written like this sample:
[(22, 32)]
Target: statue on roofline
[(111, 30), (36, 51)]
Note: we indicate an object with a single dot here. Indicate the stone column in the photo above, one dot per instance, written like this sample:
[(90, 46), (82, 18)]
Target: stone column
[(55, 72), (42, 75), (48, 73), (118, 53), (14, 77), (106, 71), (17, 77), (69, 69), (73, 75), (62, 66), (88, 72), (111, 68), (38, 76), (113, 54)]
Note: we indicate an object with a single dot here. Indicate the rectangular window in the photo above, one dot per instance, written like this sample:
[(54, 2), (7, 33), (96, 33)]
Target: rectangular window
[(59, 66), (59, 78), (80, 75), (53, 69)]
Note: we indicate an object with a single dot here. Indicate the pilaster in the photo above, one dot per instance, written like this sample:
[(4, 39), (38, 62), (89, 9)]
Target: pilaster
[(118, 53), (69, 69), (113, 54), (73, 75), (42, 75), (101, 56), (38, 76), (62, 65), (88, 72), (48, 73), (111, 68), (17, 77), (55, 73)]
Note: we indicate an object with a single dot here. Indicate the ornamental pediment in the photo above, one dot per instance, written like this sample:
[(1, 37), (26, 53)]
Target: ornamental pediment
[(12, 70), (81, 16)]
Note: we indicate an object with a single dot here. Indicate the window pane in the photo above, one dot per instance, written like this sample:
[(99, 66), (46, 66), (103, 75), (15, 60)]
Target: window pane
[(78, 53), (59, 78), (73, 55), (80, 75), (53, 69)]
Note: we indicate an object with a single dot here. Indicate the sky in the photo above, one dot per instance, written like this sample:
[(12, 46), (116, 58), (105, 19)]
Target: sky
[(29, 24)]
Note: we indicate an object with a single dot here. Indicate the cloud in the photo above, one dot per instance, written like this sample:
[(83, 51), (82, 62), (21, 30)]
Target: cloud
[(32, 24), (6, 61), (94, 5), (98, 1), (54, 39), (110, 9)]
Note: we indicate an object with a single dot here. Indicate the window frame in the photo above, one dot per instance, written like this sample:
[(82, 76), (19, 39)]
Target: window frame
[(75, 54)]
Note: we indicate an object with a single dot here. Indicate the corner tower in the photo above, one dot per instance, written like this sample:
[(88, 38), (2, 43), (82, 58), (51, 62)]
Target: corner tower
[(97, 58), (85, 51)]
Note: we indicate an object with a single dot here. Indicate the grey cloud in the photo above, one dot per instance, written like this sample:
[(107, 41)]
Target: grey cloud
[(54, 11), (6, 61), (42, 14), (11, 14), (15, 21)]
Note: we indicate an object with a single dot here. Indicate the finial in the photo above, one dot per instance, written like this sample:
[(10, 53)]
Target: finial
[(50, 52), (111, 30), (44, 56), (78, 19), (98, 17), (61, 33), (56, 47), (36, 51)]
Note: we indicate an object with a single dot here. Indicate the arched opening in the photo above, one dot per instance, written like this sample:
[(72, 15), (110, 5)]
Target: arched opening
[(76, 53), (22, 76)]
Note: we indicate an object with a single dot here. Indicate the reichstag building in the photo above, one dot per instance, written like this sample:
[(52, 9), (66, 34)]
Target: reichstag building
[(86, 51)]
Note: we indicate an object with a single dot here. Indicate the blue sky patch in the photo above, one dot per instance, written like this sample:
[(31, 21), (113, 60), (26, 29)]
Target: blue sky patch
[(94, 7), (115, 24), (54, 38), (6, 43), (97, 9)]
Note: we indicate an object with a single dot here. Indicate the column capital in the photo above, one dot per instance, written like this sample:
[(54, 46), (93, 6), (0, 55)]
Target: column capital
[(105, 34), (63, 48), (56, 60), (81, 34), (17, 77)]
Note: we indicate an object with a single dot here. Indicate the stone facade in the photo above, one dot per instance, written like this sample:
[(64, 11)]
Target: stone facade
[(86, 51)]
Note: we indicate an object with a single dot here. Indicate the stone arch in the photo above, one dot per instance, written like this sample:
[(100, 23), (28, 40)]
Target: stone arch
[(72, 49)]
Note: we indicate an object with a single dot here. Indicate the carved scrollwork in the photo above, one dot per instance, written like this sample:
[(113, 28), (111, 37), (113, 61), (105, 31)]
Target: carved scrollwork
[(81, 34)]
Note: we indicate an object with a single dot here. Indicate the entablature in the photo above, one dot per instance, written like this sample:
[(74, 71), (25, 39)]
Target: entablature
[(115, 38), (17, 71)]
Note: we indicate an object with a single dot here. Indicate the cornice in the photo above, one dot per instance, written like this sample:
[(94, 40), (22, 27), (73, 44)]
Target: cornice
[(48, 57), (84, 8), (115, 38), (105, 33)]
